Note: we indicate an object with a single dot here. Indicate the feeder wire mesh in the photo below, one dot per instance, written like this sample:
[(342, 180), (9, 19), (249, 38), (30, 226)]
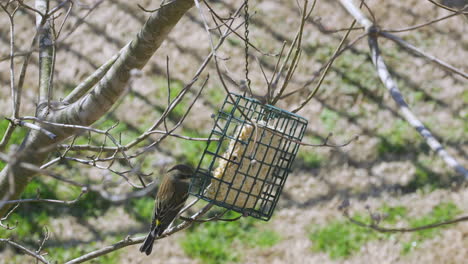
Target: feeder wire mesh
[(248, 156)]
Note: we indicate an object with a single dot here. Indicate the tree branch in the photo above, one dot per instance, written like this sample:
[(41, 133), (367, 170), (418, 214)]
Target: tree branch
[(390, 84), (423, 54), (132, 241), (46, 51), (96, 103), (25, 250)]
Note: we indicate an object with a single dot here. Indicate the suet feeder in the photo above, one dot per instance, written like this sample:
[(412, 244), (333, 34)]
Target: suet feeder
[(248, 156)]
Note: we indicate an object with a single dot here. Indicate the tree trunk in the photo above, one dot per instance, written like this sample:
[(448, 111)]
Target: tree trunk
[(37, 146)]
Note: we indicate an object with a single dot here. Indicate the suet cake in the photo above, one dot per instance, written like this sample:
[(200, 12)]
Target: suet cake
[(243, 171)]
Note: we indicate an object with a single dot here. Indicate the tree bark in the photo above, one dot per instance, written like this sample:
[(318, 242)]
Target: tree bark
[(36, 147)]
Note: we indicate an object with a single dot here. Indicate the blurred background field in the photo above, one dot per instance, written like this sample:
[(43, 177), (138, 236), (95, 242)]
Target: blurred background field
[(389, 169)]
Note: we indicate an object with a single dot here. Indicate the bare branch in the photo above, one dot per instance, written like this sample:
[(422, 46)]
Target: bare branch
[(297, 43), (46, 52), (25, 250), (14, 94), (235, 32), (325, 71), (374, 225), (392, 87), (217, 217), (46, 237), (406, 112), (94, 78), (423, 24), (7, 136), (18, 122), (326, 143), (128, 241), (7, 226), (84, 190), (446, 7), (423, 54), (84, 187)]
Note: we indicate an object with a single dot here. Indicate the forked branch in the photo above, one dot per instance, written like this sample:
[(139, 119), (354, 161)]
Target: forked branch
[(388, 81)]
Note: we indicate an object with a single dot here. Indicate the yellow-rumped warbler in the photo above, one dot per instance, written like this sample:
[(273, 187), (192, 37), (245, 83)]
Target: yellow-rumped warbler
[(171, 197)]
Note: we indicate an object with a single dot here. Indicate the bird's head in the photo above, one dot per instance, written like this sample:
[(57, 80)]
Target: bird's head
[(181, 172)]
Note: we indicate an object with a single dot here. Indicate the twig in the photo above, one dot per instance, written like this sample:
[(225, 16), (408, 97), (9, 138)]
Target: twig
[(151, 10), (378, 228), (295, 61), (84, 190), (113, 149), (7, 226), (326, 143), (235, 32), (446, 7), (325, 71), (423, 54), (13, 90), (128, 241), (326, 30), (422, 25), (214, 218), (46, 237), (6, 137), (18, 122), (25, 250), (113, 198)]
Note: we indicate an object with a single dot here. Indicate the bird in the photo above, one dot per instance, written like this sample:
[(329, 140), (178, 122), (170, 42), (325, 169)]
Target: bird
[(172, 195)]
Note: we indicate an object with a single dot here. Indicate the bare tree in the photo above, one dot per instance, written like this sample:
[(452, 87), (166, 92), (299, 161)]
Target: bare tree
[(64, 119)]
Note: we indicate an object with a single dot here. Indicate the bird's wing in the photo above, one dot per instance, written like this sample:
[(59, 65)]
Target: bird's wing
[(168, 212), (167, 200), (165, 208), (163, 199)]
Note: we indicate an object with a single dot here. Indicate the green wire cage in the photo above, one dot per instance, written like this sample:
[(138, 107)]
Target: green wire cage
[(248, 156)]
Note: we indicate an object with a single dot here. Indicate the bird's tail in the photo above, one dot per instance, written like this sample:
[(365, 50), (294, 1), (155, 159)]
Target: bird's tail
[(147, 246)]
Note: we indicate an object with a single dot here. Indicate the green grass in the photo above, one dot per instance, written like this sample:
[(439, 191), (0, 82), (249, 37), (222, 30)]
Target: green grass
[(341, 238), (440, 213), (310, 158), (234, 42), (176, 88), (141, 209), (121, 132), (16, 138), (329, 119), (221, 242), (424, 178), (393, 214), (418, 96), (31, 218), (215, 95), (189, 151), (399, 139)]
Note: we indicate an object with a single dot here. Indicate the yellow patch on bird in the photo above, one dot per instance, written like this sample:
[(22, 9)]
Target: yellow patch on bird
[(157, 222)]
